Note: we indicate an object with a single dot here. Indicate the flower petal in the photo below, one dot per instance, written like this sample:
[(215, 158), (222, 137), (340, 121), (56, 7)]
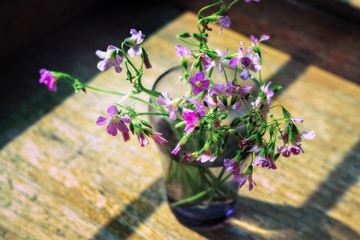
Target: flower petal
[(112, 111), (102, 120)]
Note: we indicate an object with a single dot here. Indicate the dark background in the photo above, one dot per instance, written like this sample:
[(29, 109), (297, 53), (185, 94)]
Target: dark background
[(63, 35)]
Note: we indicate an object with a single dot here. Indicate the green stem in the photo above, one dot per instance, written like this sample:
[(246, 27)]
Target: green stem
[(209, 6), (118, 93), (152, 113), (201, 194)]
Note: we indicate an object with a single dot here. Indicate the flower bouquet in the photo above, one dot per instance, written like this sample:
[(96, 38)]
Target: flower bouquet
[(213, 130)]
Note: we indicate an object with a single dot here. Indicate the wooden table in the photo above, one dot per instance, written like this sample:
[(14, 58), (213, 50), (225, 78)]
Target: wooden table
[(66, 178)]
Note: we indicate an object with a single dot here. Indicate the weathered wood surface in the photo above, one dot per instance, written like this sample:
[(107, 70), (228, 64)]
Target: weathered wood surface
[(65, 178)]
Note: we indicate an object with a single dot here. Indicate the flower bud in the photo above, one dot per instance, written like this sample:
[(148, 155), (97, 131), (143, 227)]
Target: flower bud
[(184, 35)]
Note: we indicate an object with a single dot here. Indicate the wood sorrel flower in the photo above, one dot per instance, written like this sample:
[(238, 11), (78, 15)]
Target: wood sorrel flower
[(293, 139), (255, 41), (198, 103), (243, 177), (48, 79), (134, 41), (206, 156), (239, 93), (142, 139), (206, 61), (266, 160), (182, 52), (110, 58), (191, 118), (232, 166), (248, 62), (199, 83), (157, 137), (115, 122), (171, 105)]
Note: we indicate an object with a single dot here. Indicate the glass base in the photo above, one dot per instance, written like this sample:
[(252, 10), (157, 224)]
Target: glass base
[(196, 216)]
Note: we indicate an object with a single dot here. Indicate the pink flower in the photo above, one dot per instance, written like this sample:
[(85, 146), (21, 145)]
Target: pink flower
[(220, 58), (269, 93), (110, 58), (182, 52), (191, 118), (134, 41), (232, 166), (157, 137), (177, 148), (206, 156), (199, 83), (142, 139), (255, 41), (239, 92), (198, 103), (242, 178), (171, 105), (248, 62), (48, 79), (224, 21), (114, 122), (207, 61), (265, 161), (293, 142)]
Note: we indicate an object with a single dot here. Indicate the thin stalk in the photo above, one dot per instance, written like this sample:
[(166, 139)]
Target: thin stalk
[(118, 93), (200, 194)]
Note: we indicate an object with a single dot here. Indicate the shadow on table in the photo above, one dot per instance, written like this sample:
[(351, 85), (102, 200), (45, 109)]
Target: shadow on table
[(71, 49), (310, 221)]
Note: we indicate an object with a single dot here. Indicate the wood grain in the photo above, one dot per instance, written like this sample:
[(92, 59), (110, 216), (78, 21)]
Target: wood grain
[(66, 178)]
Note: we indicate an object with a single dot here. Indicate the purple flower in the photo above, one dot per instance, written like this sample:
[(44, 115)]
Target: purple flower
[(218, 90), (134, 41), (198, 103), (220, 58), (211, 103), (292, 143), (110, 58), (142, 139), (182, 52), (269, 93), (237, 56), (205, 157), (177, 148), (199, 83), (239, 92), (191, 118), (48, 79), (248, 62), (232, 166), (157, 137), (265, 161), (171, 105), (224, 21), (255, 41), (207, 61), (242, 178), (252, 0), (114, 122)]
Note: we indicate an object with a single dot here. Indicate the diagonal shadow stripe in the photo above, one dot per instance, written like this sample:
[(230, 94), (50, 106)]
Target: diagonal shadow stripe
[(288, 73), (134, 213), (333, 188)]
